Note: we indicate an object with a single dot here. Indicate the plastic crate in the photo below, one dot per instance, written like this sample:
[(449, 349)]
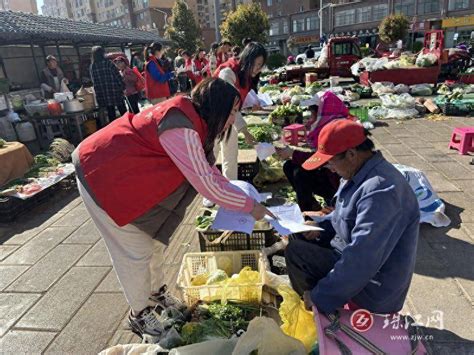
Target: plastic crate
[(198, 263), (245, 171), (12, 207), (259, 239)]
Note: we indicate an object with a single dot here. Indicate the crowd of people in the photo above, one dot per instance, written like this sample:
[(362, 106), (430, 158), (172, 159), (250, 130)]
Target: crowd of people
[(138, 175)]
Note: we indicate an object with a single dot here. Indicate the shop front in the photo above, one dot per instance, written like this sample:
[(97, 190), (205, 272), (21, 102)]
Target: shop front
[(458, 30)]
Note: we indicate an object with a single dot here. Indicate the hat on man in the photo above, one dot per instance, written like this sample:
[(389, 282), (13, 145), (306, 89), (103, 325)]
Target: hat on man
[(50, 58), (335, 138)]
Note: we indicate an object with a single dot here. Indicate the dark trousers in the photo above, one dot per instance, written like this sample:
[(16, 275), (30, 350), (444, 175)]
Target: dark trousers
[(308, 262), (111, 113), (308, 182), (133, 103)]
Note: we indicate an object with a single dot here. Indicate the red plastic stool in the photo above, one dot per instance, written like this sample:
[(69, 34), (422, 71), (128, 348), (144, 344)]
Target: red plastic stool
[(295, 133), (466, 143)]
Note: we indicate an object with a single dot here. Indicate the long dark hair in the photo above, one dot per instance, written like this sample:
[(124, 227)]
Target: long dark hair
[(247, 58), (98, 54), (214, 99), (151, 49)]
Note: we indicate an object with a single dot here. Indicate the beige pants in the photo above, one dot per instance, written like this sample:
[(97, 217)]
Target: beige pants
[(136, 257), (157, 101), (230, 152)]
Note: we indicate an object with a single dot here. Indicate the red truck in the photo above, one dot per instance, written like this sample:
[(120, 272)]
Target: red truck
[(446, 67), (343, 52)]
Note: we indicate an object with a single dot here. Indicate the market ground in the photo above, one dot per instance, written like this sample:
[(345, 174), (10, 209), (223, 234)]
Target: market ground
[(59, 294)]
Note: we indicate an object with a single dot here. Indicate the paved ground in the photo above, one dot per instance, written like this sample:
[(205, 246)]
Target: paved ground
[(59, 294)]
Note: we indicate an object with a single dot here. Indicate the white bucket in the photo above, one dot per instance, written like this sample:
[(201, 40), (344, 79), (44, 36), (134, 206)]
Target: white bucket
[(26, 132)]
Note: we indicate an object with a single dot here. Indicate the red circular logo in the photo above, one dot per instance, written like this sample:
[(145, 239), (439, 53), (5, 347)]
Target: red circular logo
[(362, 320)]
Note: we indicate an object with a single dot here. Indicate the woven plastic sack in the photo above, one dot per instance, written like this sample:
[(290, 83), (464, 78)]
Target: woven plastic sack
[(431, 206), (421, 90), (297, 321), (264, 337)]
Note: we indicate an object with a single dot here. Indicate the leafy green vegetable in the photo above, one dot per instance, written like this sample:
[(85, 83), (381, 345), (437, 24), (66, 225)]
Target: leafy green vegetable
[(204, 222), (2, 143), (266, 88), (314, 88), (265, 133), (282, 112)]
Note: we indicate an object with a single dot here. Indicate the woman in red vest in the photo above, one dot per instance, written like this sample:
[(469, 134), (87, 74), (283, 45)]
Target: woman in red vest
[(244, 74), (138, 175), (156, 77), (199, 65)]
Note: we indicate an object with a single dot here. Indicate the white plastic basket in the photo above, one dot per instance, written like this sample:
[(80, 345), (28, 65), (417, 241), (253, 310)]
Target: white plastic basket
[(232, 262)]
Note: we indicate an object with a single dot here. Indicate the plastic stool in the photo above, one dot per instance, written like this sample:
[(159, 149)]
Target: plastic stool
[(465, 143), (295, 133)]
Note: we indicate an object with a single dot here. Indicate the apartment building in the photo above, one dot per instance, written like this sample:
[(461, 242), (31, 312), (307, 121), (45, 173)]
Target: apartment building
[(298, 21), (57, 8), (19, 5)]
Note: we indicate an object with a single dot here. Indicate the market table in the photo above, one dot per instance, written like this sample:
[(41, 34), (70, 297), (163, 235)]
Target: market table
[(15, 161), (67, 125)]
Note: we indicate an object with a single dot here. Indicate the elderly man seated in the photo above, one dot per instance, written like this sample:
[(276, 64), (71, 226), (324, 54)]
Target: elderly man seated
[(366, 255)]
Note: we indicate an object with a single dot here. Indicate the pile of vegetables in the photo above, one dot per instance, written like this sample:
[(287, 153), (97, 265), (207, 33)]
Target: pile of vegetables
[(265, 133), (457, 94), (270, 171), (285, 114), (267, 88), (215, 320), (2, 143), (204, 222), (42, 165), (313, 88), (288, 194), (61, 149), (443, 90)]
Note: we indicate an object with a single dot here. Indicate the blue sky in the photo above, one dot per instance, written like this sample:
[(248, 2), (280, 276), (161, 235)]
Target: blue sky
[(39, 3)]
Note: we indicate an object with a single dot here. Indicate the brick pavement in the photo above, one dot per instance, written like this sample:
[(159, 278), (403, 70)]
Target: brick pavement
[(59, 294)]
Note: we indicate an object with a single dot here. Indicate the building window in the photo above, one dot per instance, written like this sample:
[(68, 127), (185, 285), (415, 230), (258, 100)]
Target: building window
[(406, 7), (458, 5), (285, 27), (298, 25), (379, 12), (274, 29), (364, 14), (312, 23), (344, 18), (428, 6), (269, 2), (301, 8)]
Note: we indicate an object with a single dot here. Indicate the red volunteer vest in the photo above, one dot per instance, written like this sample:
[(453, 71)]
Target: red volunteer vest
[(125, 165), (234, 64), (153, 88)]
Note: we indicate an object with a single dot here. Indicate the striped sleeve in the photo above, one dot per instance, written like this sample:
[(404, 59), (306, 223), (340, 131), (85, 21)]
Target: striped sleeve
[(184, 147)]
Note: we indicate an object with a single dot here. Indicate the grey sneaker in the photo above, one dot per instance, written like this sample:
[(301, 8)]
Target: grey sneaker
[(146, 323), (164, 299)]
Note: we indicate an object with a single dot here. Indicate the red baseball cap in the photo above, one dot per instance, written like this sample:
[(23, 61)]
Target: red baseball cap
[(335, 138)]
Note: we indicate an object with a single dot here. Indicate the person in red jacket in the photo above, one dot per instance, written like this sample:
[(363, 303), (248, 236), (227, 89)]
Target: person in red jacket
[(223, 51), (156, 77), (244, 74), (138, 175), (199, 65)]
